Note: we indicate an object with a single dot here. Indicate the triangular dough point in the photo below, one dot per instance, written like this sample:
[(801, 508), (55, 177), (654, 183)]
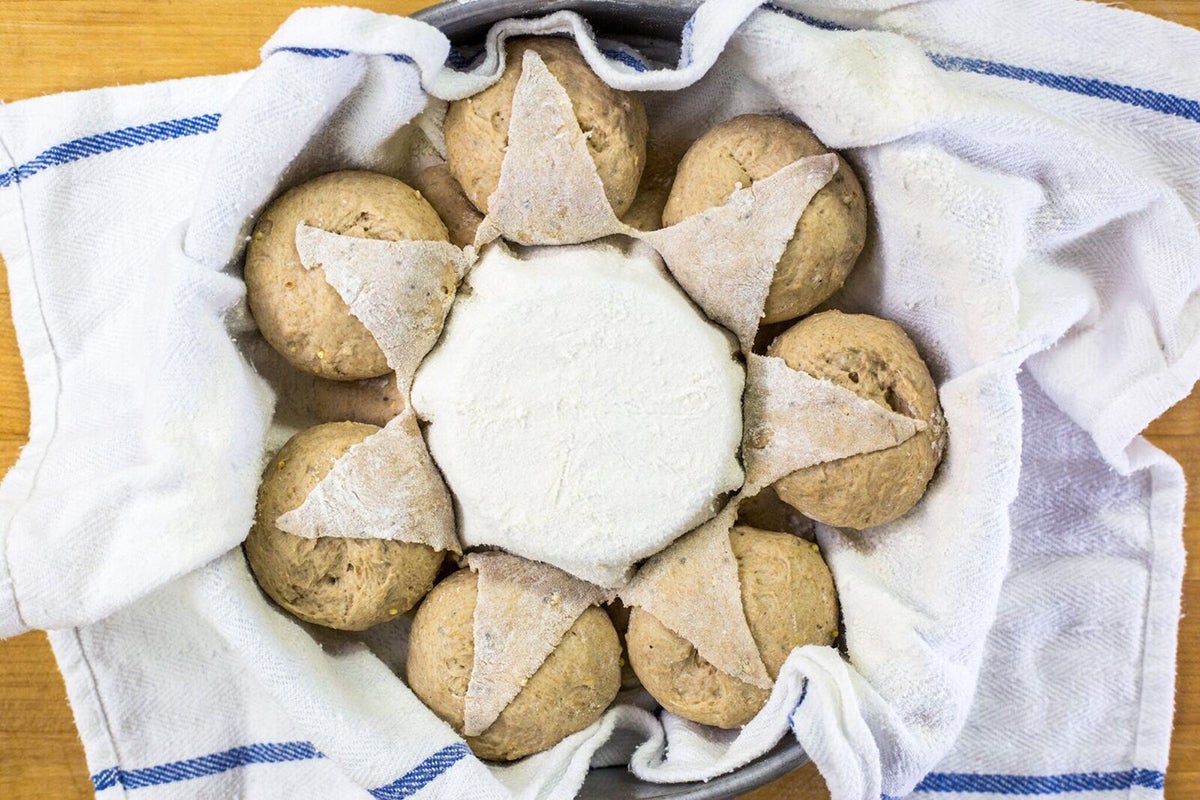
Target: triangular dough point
[(693, 589), (384, 487), (524, 609), (793, 420), (549, 191), (401, 291), (725, 257)]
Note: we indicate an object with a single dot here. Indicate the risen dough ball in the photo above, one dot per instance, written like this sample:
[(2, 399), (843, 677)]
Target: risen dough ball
[(298, 312), (646, 211), (570, 691), (831, 231), (348, 584), (438, 186), (372, 400), (875, 359), (614, 122), (789, 600)]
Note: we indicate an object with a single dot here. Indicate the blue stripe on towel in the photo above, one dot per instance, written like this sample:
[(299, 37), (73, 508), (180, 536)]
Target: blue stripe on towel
[(97, 144), (336, 52), (411, 782), (440, 762), (1035, 785), (1164, 103), (121, 139), (106, 779), (625, 58), (1032, 785), (823, 24), (203, 766), (1021, 785), (1161, 102), (421, 775), (315, 52)]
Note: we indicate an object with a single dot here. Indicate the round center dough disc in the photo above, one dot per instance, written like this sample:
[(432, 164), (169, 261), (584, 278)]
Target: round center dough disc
[(583, 411)]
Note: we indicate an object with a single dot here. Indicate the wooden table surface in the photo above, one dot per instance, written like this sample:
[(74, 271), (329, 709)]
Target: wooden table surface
[(56, 45)]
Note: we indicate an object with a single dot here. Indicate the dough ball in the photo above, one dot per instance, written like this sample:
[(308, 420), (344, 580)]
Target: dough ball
[(618, 612), (348, 584), (875, 359), (646, 211), (298, 312), (570, 691), (614, 121), (438, 186), (789, 600), (372, 400), (767, 512), (831, 231)]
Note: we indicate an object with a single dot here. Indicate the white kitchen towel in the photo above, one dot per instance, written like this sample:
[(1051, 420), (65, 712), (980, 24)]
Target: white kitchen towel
[(1035, 195)]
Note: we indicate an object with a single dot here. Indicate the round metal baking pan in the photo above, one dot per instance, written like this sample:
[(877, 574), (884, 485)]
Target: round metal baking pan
[(466, 22)]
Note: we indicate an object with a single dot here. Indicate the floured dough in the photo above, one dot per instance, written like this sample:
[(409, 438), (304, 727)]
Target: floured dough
[(384, 487), (549, 191), (829, 236), (348, 584), (401, 291), (614, 122), (298, 312), (788, 599), (725, 257), (692, 588), (795, 420), (525, 607), (875, 359), (568, 692), (582, 410)]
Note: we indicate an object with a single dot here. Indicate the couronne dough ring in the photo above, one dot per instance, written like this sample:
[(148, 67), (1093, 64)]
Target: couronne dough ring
[(875, 359), (614, 121), (374, 401), (831, 231), (789, 600), (572, 688), (298, 312), (348, 584)]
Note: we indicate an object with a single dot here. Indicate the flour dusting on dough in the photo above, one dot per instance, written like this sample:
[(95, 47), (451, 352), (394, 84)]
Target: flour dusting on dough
[(549, 190), (523, 611), (725, 256), (400, 291), (693, 589), (793, 420), (384, 487), (584, 414)]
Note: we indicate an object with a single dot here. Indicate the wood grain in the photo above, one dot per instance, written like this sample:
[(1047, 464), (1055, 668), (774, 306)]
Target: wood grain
[(57, 45)]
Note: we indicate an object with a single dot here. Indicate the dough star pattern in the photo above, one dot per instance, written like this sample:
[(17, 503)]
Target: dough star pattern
[(592, 393)]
